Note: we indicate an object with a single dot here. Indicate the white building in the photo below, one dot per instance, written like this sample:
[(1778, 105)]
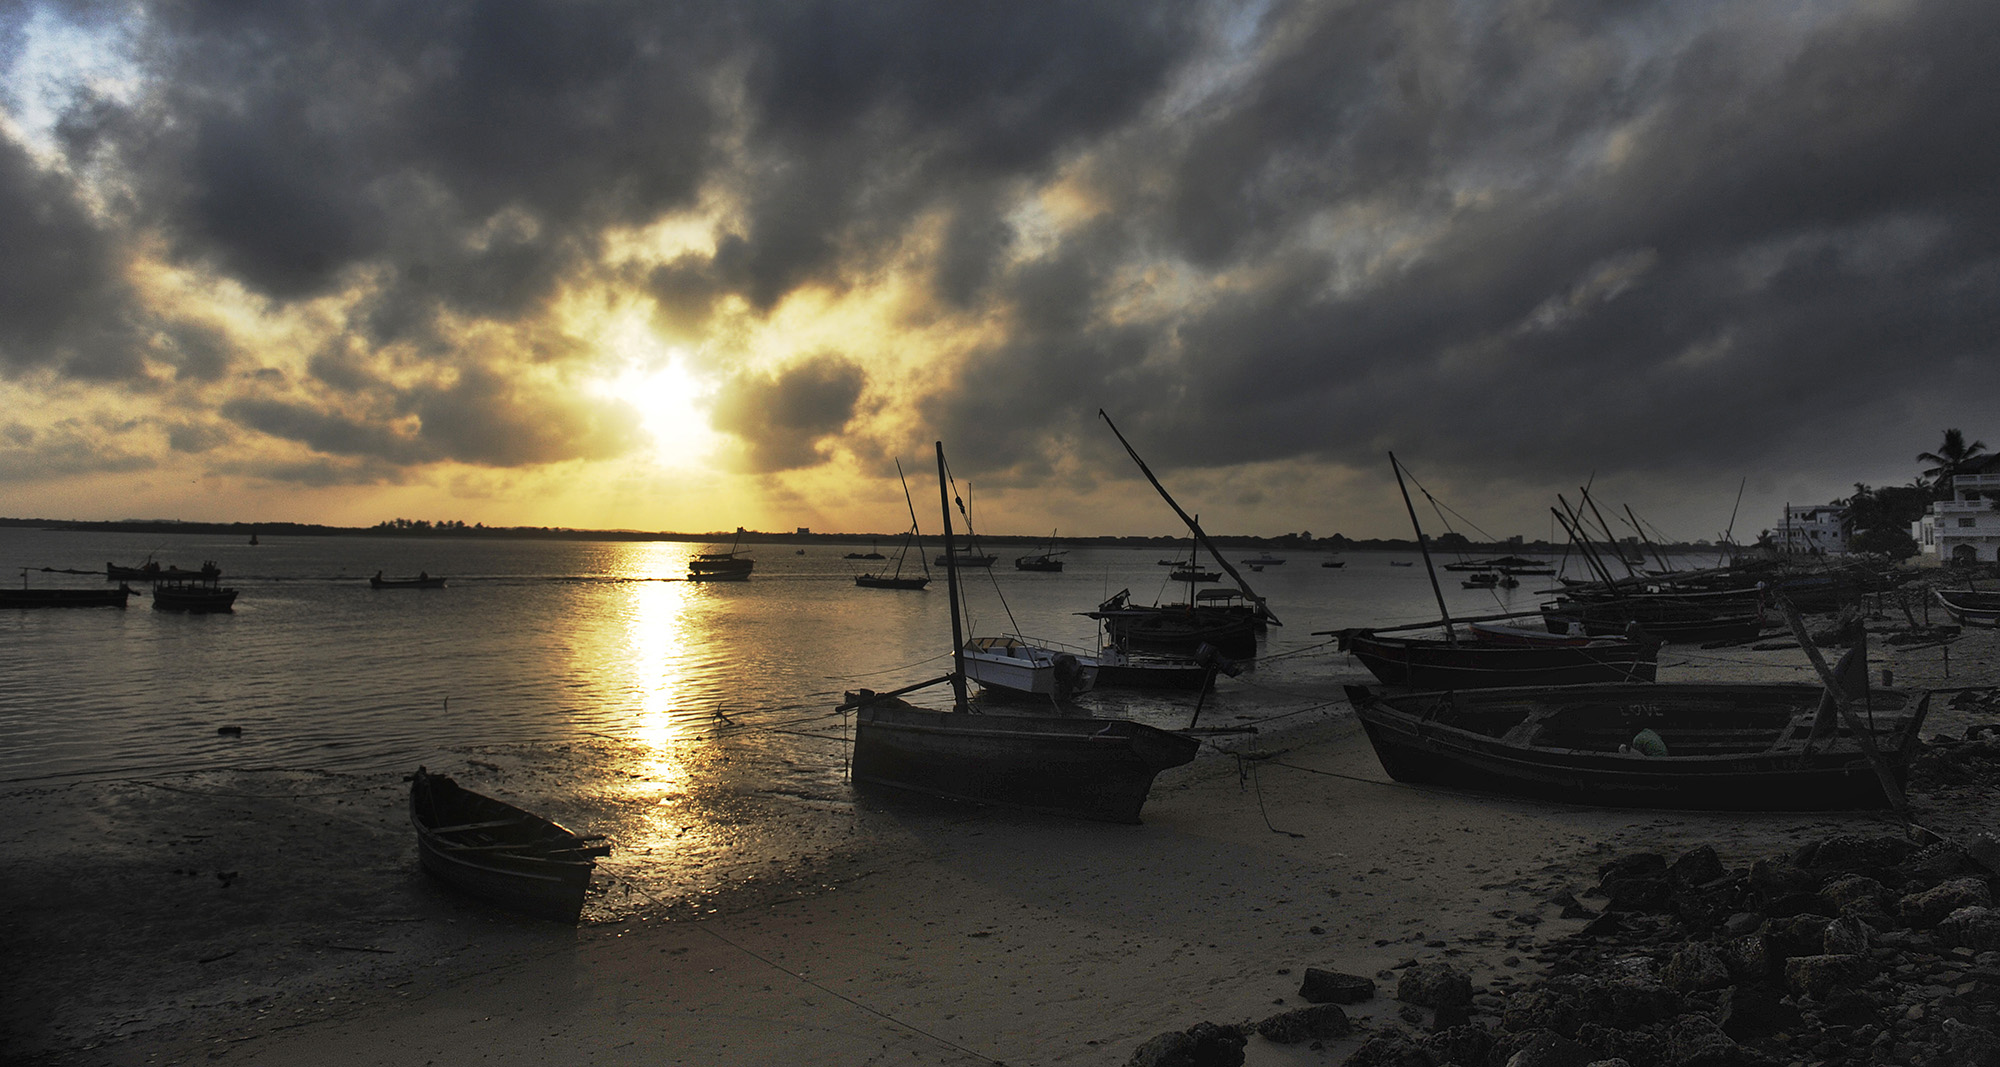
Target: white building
[(1811, 530), (1966, 528)]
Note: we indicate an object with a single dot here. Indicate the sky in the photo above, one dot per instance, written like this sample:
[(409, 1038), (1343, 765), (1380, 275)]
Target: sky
[(689, 267)]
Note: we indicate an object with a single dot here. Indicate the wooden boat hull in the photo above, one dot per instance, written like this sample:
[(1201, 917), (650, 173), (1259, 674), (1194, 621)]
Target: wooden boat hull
[(1118, 670), (1045, 566), (1971, 608), (1182, 631), (1089, 768), (527, 864), (871, 581), (194, 601), (1679, 623), (405, 583), (1432, 663), (64, 598), (1729, 747)]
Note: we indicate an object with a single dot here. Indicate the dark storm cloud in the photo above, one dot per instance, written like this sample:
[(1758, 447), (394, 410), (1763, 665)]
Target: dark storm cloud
[(1510, 235), (1772, 238), (785, 418), (480, 417), (63, 306)]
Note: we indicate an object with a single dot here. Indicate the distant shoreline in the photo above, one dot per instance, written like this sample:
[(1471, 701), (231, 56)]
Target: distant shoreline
[(1282, 542)]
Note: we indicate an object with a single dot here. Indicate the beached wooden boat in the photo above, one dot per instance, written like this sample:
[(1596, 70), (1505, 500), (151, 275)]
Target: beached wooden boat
[(1175, 629), (1474, 663), (200, 593), (1066, 765), (1062, 764), (1729, 747), (1970, 607), (1670, 619), (1119, 669), (423, 580), (498, 852)]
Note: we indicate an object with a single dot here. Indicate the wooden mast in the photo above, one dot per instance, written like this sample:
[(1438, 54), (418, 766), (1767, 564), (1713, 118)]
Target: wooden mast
[(1190, 520), (1450, 635), (951, 584)]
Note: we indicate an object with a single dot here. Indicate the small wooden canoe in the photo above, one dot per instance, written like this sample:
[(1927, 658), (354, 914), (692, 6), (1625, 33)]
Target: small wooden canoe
[(494, 850)]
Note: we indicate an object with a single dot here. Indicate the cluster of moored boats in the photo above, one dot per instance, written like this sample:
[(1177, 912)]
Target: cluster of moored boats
[(194, 592)]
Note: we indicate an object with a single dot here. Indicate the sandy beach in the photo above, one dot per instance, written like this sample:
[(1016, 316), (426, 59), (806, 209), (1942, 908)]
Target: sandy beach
[(280, 917)]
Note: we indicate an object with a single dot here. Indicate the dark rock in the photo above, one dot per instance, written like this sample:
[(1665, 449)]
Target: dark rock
[(1984, 850), (1465, 1045), (1848, 1007), (1753, 1012), (1971, 1046), (1546, 1049), (1546, 1008), (1696, 867), (1628, 1002), (1855, 893), (1820, 976), (1937, 862), (1696, 1041), (1786, 905), (1778, 879), (1637, 894), (1631, 1046), (1389, 1050), (1847, 852), (1447, 1016), (1319, 1023), (1335, 987), (1604, 925), (1975, 928), (1749, 958), (1741, 923), (1434, 985), (1845, 937), (1696, 966), (1796, 935), (1928, 908), (1202, 1045)]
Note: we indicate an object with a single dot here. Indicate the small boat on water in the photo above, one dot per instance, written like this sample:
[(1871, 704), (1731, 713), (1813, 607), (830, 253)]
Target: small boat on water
[(494, 850), (719, 567), (423, 580), (1481, 580), (1264, 559), (965, 557), (1971, 607), (1194, 575), (1402, 563), (1333, 563), (1176, 629), (1710, 746), (897, 580), (201, 593), (25, 597), (1044, 561)]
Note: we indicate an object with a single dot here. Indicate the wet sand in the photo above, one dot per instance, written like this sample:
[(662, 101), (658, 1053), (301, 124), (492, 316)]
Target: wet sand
[(280, 917)]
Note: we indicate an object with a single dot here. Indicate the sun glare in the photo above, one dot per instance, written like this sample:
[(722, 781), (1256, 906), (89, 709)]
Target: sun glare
[(654, 379)]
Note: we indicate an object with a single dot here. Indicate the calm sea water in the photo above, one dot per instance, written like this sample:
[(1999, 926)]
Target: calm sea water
[(692, 723), (536, 641)]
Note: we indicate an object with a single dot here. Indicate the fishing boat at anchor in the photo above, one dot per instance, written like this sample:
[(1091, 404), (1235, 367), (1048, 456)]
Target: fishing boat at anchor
[(198, 594), (896, 579), (1072, 765)]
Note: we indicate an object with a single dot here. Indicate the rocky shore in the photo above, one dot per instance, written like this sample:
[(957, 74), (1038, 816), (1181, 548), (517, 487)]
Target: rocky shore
[(1850, 949)]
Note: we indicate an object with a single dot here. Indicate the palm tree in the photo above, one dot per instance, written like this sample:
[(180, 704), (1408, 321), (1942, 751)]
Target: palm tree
[(1951, 457)]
